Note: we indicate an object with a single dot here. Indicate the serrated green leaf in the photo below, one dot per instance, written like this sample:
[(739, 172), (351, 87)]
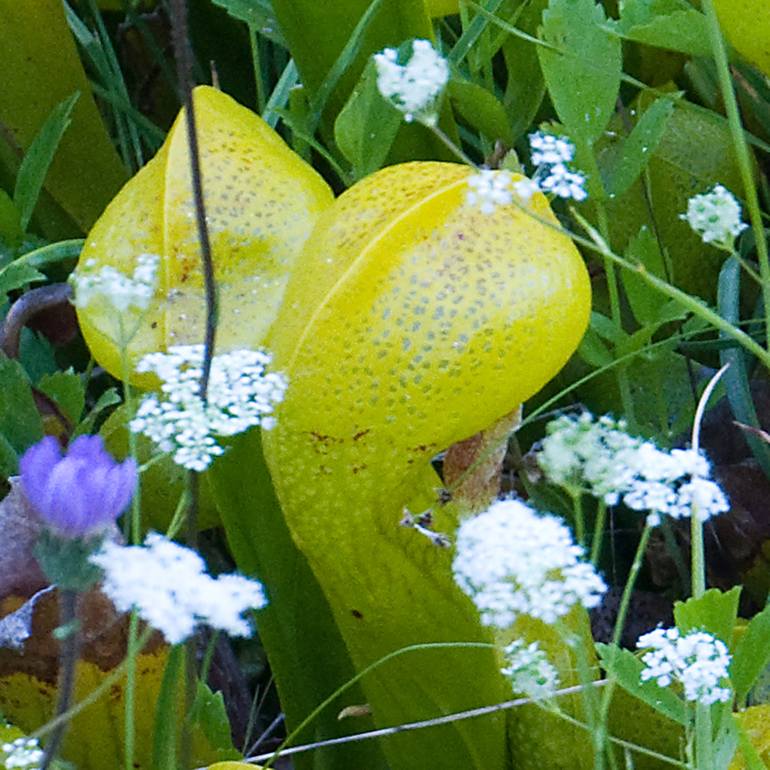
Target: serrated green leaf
[(66, 389), (627, 670), (671, 24), (209, 713), (635, 152), (645, 302), (297, 622), (583, 76), (16, 276), (480, 110), (752, 655), (716, 612), (20, 421), (38, 158), (366, 126)]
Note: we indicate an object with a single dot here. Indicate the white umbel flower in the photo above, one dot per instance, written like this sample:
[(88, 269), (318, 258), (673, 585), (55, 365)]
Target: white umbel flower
[(564, 183), (241, 394), (529, 670), (489, 189), (21, 753), (698, 661), (716, 217), (415, 87), (598, 457), (120, 290), (512, 561), (548, 149), (168, 586)]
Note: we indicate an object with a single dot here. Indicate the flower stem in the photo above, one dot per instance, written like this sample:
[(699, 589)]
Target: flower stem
[(601, 519), (68, 658), (620, 621), (741, 152)]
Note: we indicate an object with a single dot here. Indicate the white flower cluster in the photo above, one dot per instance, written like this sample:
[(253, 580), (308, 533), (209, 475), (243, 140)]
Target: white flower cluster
[(168, 586), (716, 217), (551, 155), (582, 454), (512, 561), (490, 188), (21, 753), (414, 88), (698, 661), (530, 672), (120, 290), (240, 395)]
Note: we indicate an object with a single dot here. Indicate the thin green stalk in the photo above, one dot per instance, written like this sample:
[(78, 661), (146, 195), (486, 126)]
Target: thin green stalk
[(601, 519), (741, 152), (579, 516), (451, 145), (129, 704), (620, 622), (256, 60)]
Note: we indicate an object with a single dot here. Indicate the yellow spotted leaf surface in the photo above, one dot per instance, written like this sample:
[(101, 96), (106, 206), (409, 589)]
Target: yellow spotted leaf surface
[(746, 24), (262, 201), (411, 322), (95, 737)]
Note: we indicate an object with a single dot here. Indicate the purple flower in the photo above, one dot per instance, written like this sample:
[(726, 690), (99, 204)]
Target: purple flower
[(80, 494)]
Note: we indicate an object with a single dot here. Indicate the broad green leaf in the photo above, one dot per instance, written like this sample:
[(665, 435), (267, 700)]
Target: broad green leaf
[(583, 75), (481, 110), (627, 670), (746, 24), (752, 655), (11, 231), (41, 67), (366, 126), (737, 385), (716, 612), (306, 653), (38, 158), (257, 14), (20, 421), (262, 201), (635, 151), (319, 34), (645, 302), (753, 738), (66, 389), (525, 88), (167, 717), (672, 24), (694, 153), (411, 322), (594, 351)]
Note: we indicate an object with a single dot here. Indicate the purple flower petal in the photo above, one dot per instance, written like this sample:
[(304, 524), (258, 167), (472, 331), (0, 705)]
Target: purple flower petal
[(80, 494)]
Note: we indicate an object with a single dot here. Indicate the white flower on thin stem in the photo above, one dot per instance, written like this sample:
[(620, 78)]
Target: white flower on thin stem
[(168, 586), (530, 672), (241, 395), (415, 87), (512, 561), (120, 290), (698, 661), (21, 753), (716, 217)]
